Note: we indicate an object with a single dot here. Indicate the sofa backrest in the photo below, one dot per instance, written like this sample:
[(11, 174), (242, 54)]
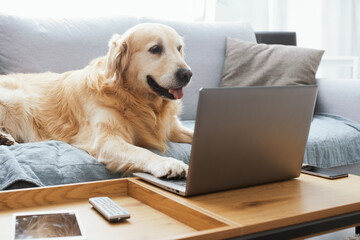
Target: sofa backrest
[(339, 96), (59, 45)]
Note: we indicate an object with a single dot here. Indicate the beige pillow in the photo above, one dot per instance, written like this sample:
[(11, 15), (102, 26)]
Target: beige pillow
[(251, 64)]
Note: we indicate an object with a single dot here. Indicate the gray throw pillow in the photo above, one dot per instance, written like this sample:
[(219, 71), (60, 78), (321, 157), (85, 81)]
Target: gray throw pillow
[(252, 64)]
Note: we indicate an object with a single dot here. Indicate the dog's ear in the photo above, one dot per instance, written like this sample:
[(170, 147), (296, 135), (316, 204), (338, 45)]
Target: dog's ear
[(117, 58)]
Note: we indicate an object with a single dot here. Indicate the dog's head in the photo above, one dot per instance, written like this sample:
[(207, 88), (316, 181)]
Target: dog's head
[(149, 57)]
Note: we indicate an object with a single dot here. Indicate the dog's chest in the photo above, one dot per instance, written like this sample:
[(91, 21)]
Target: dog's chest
[(151, 128)]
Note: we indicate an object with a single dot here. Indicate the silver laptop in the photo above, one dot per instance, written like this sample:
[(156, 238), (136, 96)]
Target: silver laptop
[(245, 137)]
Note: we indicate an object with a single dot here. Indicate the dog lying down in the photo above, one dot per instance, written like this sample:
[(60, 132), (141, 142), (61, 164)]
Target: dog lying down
[(114, 108)]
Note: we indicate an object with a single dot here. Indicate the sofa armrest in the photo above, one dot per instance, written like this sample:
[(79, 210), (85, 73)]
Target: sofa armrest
[(340, 97), (284, 38)]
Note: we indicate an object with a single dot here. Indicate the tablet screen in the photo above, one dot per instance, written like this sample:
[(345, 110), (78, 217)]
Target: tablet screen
[(59, 225)]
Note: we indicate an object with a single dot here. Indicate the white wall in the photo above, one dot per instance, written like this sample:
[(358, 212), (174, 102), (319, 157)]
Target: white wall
[(253, 11), (185, 10)]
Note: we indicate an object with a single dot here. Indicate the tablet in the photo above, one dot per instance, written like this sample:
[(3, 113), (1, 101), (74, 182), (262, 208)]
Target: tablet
[(58, 225)]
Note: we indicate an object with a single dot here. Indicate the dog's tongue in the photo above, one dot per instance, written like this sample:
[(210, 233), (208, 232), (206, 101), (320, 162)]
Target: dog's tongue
[(178, 93)]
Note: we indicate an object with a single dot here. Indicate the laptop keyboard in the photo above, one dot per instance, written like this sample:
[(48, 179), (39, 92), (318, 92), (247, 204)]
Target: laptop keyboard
[(180, 182)]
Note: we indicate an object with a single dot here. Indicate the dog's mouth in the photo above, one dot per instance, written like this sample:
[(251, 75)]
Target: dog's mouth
[(163, 92)]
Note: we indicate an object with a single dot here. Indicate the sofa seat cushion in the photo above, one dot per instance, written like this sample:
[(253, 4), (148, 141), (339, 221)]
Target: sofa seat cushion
[(333, 141)]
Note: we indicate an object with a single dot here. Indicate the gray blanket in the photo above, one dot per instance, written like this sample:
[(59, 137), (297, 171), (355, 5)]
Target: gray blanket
[(48, 163), (333, 141)]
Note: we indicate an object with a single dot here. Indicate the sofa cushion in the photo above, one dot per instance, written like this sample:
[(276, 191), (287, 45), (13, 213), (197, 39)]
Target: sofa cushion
[(251, 64), (333, 141), (59, 45)]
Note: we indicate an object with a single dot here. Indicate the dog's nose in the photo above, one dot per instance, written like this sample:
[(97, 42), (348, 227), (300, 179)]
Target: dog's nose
[(183, 75)]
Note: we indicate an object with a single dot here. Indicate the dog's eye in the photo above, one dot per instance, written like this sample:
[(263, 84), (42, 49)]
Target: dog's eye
[(157, 49), (179, 48)]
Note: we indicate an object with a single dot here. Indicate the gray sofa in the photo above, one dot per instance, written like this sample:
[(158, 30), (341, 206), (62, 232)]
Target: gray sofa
[(58, 45)]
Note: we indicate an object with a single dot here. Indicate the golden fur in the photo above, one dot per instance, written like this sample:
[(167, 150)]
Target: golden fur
[(107, 108)]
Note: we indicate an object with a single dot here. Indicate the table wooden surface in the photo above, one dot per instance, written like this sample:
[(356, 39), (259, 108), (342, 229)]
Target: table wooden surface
[(275, 205), (285, 203), (159, 214)]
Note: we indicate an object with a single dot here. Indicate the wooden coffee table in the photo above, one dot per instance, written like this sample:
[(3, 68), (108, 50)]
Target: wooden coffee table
[(290, 209)]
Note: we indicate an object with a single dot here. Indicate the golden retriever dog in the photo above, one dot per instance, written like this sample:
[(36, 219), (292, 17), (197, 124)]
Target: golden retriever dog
[(114, 108)]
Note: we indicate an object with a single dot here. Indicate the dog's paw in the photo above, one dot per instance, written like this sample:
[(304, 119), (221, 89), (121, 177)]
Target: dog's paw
[(7, 139), (169, 168)]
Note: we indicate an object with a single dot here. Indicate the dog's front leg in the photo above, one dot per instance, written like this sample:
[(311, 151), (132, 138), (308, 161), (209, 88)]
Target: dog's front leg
[(179, 133), (120, 156)]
